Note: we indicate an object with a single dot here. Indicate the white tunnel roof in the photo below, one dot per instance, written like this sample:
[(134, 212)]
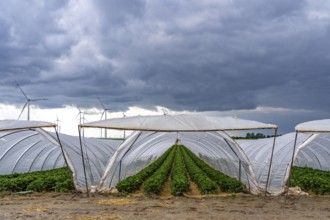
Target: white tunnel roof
[(314, 126), (10, 125), (179, 123)]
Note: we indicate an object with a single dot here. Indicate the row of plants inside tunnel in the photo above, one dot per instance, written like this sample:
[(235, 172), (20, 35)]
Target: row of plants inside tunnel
[(56, 180), (181, 168)]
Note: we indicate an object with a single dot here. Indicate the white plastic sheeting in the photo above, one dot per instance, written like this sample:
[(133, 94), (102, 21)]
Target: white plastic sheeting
[(317, 126), (222, 153), (179, 123), (26, 151), (312, 150), (137, 152), (215, 148), (10, 125), (25, 147), (194, 131), (97, 153), (315, 153), (259, 153)]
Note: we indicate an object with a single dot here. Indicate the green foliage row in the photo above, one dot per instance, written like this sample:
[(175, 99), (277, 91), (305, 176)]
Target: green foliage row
[(226, 183), (204, 183), (155, 183), (133, 183), (179, 176), (59, 180), (182, 164), (311, 180)]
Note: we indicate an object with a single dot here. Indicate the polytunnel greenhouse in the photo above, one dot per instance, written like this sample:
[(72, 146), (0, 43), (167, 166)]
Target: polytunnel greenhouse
[(315, 152), (26, 147), (263, 165), (259, 152), (23, 149), (145, 147), (205, 136)]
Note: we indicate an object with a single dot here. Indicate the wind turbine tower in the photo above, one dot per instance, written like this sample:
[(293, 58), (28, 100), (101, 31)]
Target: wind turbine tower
[(28, 102), (82, 119), (104, 113), (57, 122)]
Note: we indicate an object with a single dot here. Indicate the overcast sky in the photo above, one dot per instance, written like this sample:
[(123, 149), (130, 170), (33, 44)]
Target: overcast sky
[(263, 60)]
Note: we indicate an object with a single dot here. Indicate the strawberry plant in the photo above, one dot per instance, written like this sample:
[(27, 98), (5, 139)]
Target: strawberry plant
[(226, 183), (311, 180), (183, 165), (179, 177), (154, 184), (40, 181), (133, 183), (204, 183)]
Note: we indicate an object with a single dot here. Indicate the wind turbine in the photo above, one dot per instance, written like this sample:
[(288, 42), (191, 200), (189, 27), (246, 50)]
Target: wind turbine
[(81, 115), (28, 102), (57, 122), (82, 119), (105, 110)]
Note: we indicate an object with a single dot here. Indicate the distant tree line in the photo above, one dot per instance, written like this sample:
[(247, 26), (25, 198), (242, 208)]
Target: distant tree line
[(252, 135)]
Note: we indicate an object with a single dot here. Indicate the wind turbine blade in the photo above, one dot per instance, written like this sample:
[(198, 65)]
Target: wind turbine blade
[(38, 100), (78, 114), (23, 109), (102, 114), (21, 90), (84, 119), (101, 102)]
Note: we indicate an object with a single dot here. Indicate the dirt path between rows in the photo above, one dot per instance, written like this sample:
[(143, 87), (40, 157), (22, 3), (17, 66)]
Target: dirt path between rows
[(239, 206)]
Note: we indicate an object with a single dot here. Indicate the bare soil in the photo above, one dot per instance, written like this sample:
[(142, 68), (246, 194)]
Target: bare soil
[(190, 206)]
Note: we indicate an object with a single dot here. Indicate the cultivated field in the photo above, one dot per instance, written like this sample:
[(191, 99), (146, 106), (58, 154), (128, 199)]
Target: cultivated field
[(150, 195), (238, 206)]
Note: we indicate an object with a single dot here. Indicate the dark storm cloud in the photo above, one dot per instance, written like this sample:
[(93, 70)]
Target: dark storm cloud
[(201, 55)]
